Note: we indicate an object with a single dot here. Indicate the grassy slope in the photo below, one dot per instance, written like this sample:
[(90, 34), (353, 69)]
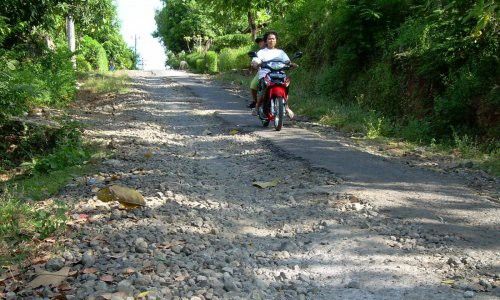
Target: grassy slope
[(23, 212)]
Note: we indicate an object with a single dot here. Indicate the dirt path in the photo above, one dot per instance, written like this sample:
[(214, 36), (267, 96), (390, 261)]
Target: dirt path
[(207, 233)]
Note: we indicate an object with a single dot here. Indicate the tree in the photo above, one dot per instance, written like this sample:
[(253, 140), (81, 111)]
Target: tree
[(180, 22), (253, 9)]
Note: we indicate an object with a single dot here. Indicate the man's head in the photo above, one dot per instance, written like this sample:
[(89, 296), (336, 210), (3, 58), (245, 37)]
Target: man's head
[(260, 41), (271, 37)]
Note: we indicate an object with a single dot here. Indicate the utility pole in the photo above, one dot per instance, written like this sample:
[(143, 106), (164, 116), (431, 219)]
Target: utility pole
[(135, 44), (70, 34)]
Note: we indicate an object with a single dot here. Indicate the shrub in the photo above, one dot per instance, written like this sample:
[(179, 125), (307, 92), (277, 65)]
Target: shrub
[(82, 65), (192, 58), (234, 58), (378, 88), (419, 131), (200, 65), (232, 41), (13, 92), (94, 53), (211, 61), (47, 80)]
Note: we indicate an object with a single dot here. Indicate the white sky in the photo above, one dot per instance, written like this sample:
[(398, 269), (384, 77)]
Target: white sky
[(137, 18)]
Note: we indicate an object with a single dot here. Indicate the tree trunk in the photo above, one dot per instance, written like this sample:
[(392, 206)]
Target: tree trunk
[(70, 34), (253, 26)]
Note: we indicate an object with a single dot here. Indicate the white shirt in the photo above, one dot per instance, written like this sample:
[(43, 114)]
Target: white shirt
[(267, 54)]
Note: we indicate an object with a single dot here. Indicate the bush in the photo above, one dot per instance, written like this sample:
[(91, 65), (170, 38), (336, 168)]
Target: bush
[(173, 60), (82, 65), (202, 62), (14, 93), (230, 59), (118, 53), (211, 61), (378, 88), (200, 65), (232, 41), (94, 53), (192, 58), (24, 81)]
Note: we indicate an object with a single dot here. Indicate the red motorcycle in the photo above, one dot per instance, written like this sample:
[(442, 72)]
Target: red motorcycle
[(276, 94)]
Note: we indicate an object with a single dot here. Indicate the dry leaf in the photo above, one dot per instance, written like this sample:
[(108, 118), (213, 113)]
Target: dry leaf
[(89, 270), (106, 278), (128, 271), (64, 287), (171, 244), (128, 197), (148, 154), (266, 184), (50, 240), (128, 206), (448, 281), (143, 294), (50, 278), (234, 132), (180, 278), (105, 195)]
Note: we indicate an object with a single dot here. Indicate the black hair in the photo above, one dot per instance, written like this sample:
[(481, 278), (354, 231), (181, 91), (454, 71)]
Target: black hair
[(258, 40), (269, 33)]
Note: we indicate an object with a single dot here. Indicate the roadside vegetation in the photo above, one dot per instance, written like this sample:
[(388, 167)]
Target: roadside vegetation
[(41, 147), (422, 72)]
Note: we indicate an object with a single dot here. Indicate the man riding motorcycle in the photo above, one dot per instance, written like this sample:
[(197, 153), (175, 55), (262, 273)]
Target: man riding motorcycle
[(267, 54)]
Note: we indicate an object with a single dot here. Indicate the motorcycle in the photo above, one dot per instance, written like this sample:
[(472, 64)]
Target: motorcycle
[(275, 99)]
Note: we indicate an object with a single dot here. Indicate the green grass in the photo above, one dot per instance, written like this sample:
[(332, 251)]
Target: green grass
[(40, 186), (235, 77), (24, 217), (108, 82), (23, 221)]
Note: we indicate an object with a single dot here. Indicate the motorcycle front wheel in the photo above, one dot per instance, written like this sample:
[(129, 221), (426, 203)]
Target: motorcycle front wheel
[(279, 112)]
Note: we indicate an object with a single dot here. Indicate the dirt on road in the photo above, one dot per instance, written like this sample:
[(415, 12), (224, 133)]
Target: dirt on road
[(207, 232)]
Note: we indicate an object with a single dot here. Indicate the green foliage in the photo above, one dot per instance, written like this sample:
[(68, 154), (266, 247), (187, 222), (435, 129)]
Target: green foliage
[(211, 61), (436, 61), (230, 59), (48, 80), (23, 221), (94, 54), (82, 65), (69, 151), (193, 61), (120, 56), (417, 131), (108, 82), (235, 40), (200, 65), (181, 21), (378, 88), (30, 142)]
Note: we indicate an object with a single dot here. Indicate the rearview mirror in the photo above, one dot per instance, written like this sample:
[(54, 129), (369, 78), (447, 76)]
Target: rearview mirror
[(298, 55), (252, 54)]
